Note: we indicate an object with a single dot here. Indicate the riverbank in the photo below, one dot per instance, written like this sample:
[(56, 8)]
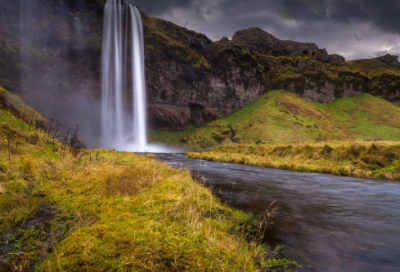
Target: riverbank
[(356, 159), (103, 210)]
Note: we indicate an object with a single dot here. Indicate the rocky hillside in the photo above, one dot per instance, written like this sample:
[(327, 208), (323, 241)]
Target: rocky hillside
[(190, 79)]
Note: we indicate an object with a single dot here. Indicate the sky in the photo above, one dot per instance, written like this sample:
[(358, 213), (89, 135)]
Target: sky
[(355, 29)]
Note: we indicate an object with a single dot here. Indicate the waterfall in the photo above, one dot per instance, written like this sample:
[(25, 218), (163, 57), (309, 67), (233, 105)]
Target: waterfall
[(123, 81)]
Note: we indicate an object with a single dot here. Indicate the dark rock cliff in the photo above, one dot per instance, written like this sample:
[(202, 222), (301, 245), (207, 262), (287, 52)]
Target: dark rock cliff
[(190, 79)]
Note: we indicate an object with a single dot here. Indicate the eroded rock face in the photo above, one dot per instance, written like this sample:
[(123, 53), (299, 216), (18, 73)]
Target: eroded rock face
[(259, 41), (335, 58), (196, 76), (391, 60)]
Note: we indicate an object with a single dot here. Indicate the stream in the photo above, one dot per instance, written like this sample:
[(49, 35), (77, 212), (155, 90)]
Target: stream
[(325, 222)]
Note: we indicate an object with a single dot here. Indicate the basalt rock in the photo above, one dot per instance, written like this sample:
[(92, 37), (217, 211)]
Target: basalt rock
[(257, 41), (195, 75), (335, 58), (391, 60)]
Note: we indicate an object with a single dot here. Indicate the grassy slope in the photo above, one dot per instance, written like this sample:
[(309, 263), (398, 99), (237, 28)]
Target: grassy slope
[(280, 116), (358, 159), (116, 212), (370, 67)]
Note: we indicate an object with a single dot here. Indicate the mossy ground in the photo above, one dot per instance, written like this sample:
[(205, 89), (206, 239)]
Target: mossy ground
[(358, 159), (283, 117), (370, 67), (111, 211)]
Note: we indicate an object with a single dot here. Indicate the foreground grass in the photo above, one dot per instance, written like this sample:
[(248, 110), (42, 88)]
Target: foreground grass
[(357, 159), (111, 211), (283, 117)]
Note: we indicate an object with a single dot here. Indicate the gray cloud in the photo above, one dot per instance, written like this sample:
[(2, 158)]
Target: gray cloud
[(354, 28)]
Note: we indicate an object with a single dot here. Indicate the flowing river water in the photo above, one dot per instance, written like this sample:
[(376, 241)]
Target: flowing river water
[(325, 222)]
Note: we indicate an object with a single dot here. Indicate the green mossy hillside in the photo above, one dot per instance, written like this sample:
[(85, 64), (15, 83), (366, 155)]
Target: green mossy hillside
[(18, 107), (281, 116)]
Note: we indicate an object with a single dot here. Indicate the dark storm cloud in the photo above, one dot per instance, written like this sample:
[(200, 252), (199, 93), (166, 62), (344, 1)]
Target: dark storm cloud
[(383, 14), (354, 28), (158, 7)]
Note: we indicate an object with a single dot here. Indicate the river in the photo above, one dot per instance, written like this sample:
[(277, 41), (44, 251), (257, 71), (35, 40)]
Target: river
[(326, 222)]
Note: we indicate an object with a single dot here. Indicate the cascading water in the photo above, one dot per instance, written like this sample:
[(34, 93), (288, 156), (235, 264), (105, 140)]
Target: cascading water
[(121, 129)]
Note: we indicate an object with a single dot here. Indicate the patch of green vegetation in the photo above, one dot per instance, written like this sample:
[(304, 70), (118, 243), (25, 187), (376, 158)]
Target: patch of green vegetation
[(369, 67), (280, 116), (20, 109), (197, 64), (173, 41)]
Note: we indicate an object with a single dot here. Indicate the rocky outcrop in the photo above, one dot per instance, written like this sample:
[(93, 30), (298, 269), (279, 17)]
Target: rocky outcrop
[(257, 41), (390, 60), (335, 58)]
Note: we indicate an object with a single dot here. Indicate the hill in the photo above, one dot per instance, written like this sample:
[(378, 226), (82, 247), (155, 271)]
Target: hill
[(283, 117)]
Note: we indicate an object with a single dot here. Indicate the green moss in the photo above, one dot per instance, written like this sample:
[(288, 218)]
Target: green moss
[(172, 43), (369, 67), (197, 64), (18, 107)]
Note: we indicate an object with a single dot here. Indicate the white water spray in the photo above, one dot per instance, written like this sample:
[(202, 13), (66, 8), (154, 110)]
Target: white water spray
[(121, 129)]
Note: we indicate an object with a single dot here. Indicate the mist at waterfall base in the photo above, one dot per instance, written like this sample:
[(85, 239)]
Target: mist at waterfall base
[(123, 113), (54, 63)]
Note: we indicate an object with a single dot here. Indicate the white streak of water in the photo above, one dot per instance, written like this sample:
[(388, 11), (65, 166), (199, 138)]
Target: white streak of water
[(121, 129)]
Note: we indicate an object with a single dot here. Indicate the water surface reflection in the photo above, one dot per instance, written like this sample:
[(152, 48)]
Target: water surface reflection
[(328, 222)]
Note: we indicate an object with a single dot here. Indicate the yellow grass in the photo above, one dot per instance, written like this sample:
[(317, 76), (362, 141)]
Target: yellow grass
[(111, 211), (358, 158)]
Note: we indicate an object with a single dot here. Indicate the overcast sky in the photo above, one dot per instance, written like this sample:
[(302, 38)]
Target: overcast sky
[(352, 28)]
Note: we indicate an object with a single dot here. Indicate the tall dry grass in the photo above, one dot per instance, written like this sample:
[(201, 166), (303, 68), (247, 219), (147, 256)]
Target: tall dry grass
[(359, 159)]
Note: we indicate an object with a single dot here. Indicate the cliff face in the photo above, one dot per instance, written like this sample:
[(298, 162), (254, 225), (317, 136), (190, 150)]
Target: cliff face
[(190, 79), (56, 65), (306, 70)]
